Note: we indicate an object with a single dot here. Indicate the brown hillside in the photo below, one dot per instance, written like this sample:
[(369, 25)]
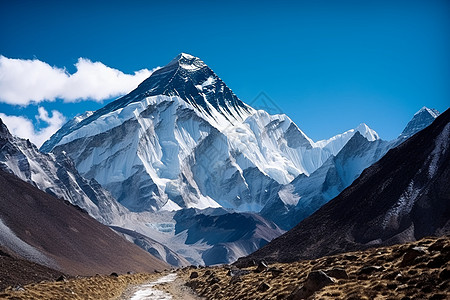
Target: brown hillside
[(57, 234)]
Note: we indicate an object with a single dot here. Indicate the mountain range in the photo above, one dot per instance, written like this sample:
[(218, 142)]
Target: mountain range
[(182, 139), (183, 168), (403, 197)]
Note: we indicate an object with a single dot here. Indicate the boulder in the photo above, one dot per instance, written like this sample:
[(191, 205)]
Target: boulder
[(275, 272), (445, 274), (262, 266), (214, 280), (367, 270), (411, 254), (237, 272), (263, 287), (315, 281), (337, 273)]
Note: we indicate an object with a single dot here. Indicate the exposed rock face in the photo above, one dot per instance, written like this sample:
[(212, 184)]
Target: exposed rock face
[(56, 175), (423, 118), (403, 197), (337, 173)]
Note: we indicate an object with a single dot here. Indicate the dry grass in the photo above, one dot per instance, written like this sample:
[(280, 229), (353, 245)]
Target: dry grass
[(425, 277), (95, 288)]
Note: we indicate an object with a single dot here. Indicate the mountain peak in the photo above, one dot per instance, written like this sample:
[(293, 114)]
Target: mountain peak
[(189, 78), (185, 56), (186, 77), (185, 61), (367, 132), (4, 132), (421, 119), (433, 112)]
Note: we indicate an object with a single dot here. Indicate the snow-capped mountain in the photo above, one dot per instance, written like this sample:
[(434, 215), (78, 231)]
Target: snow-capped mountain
[(56, 175), (403, 197), (183, 139), (424, 117), (305, 194), (182, 147)]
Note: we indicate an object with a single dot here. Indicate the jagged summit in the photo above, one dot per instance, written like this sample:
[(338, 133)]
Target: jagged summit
[(367, 132), (187, 61), (184, 55), (192, 80), (424, 117), (187, 77), (4, 132), (433, 112)]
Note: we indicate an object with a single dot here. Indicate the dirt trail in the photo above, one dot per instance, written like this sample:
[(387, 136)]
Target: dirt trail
[(168, 287)]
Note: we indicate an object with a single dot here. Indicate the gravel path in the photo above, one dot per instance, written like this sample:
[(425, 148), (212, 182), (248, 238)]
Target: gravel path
[(168, 287)]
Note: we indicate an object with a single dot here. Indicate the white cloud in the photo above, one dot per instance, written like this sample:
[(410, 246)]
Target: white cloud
[(24, 81), (24, 128)]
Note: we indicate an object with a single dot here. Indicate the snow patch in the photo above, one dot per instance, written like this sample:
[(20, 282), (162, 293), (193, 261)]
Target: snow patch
[(401, 208), (171, 206), (288, 196), (208, 82), (441, 147)]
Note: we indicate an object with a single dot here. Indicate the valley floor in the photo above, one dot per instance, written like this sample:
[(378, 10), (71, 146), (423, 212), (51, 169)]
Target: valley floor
[(419, 270)]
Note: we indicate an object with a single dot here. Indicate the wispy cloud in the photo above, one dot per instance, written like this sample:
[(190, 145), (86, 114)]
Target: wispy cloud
[(24, 128), (24, 81)]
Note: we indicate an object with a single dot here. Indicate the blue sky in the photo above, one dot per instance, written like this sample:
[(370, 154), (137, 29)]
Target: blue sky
[(329, 65)]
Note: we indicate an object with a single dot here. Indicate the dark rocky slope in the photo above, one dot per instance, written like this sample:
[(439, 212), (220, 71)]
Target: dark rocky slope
[(16, 272)]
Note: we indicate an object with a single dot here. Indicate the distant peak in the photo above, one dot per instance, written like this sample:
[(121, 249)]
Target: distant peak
[(424, 117), (187, 61), (367, 132), (4, 132), (362, 126), (186, 56), (433, 112)]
